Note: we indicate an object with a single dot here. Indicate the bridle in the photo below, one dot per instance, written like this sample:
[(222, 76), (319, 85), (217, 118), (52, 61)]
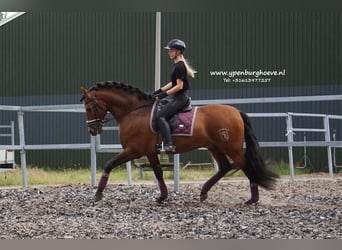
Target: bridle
[(97, 122)]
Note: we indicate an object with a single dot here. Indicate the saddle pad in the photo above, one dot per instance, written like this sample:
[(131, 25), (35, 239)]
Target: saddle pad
[(184, 125)]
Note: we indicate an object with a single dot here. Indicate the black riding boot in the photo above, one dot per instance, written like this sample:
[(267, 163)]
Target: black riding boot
[(164, 128)]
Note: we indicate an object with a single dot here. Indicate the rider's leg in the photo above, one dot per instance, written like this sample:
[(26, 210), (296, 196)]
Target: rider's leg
[(164, 128)]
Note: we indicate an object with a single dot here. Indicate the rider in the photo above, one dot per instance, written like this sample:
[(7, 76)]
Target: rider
[(176, 91)]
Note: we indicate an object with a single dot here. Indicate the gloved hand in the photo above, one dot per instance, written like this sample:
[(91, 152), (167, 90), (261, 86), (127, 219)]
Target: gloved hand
[(157, 92), (160, 96)]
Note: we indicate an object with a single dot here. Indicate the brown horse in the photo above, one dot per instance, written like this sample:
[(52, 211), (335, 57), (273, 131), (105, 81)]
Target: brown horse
[(222, 129)]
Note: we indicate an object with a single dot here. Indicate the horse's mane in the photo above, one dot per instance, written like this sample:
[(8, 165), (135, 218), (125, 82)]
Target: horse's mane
[(122, 86)]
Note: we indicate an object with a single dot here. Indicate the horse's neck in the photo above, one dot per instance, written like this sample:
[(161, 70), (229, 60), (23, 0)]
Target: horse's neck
[(124, 107)]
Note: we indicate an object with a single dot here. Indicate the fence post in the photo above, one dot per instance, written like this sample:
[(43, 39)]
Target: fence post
[(93, 159), (13, 142), (129, 172), (289, 135), (327, 139), (176, 172), (22, 147), (157, 51)]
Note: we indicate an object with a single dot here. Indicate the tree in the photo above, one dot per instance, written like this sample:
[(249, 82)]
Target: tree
[(3, 15)]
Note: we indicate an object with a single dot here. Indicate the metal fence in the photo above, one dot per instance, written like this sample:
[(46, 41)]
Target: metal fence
[(7, 160), (95, 145)]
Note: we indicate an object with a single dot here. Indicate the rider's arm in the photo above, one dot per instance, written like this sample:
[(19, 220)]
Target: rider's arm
[(166, 86), (176, 88)]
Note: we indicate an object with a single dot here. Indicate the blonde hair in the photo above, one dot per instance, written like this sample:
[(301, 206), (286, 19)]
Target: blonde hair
[(190, 70)]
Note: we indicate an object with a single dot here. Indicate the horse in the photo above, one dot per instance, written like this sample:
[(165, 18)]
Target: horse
[(222, 129)]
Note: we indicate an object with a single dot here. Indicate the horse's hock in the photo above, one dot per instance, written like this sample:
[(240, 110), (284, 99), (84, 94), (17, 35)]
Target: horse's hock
[(144, 165)]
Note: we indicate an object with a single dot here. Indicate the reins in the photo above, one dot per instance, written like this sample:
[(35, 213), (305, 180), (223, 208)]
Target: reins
[(136, 108)]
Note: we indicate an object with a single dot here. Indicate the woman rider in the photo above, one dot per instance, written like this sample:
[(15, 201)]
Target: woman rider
[(176, 91)]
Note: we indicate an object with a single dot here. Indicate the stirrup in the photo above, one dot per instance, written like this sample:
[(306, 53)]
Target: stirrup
[(170, 148)]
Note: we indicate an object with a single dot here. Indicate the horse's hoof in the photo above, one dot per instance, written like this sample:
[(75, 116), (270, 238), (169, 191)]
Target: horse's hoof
[(203, 197), (98, 196), (160, 199), (250, 202)]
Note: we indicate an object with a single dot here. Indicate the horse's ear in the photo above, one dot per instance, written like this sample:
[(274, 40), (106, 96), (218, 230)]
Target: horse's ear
[(85, 92)]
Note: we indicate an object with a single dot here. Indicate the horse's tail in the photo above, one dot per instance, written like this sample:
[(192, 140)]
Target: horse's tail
[(256, 169)]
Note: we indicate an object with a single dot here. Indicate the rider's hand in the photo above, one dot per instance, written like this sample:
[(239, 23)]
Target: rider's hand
[(160, 96), (156, 92)]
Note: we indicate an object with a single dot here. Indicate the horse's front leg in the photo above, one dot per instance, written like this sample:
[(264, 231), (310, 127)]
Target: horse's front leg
[(158, 172), (121, 158)]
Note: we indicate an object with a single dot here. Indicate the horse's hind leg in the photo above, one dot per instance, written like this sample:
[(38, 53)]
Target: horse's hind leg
[(224, 167), (240, 160)]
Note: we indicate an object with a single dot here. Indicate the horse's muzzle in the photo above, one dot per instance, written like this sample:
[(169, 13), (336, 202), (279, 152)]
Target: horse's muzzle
[(95, 127), (95, 131)]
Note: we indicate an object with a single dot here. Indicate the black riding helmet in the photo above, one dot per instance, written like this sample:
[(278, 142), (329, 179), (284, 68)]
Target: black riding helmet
[(176, 44)]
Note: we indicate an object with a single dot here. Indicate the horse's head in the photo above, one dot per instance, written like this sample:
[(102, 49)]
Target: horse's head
[(95, 113)]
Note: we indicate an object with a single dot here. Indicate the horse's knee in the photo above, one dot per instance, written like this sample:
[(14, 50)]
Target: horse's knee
[(108, 167)]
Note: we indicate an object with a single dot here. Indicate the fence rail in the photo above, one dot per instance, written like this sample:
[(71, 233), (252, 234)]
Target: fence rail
[(95, 145)]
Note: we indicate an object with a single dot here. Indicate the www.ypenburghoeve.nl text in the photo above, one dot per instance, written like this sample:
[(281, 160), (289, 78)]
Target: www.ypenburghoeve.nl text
[(246, 72)]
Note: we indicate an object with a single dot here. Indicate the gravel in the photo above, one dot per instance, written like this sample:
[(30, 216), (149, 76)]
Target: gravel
[(309, 208)]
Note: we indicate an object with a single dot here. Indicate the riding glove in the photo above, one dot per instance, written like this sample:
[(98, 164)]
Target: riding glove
[(157, 92), (160, 95)]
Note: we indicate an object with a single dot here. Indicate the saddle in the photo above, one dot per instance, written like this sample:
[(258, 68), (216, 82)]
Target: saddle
[(180, 123), (173, 120)]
